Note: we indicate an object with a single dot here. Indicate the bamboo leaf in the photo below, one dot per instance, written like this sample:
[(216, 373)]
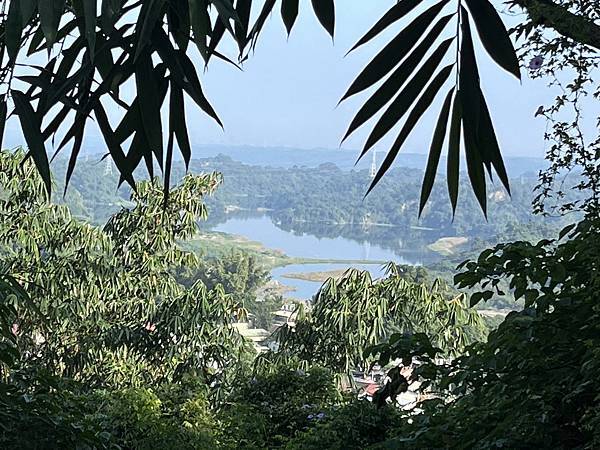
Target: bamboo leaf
[(470, 98), (178, 18), (394, 51), (13, 29), (177, 117), (30, 124), (393, 84), (494, 36), (325, 12), (435, 151), (201, 26), (395, 13), (289, 13), (50, 13), (453, 161), (260, 20), (74, 152), (148, 17), (3, 112), (242, 8), (89, 12), (489, 142), (27, 9), (417, 112), (149, 105), (406, 97)]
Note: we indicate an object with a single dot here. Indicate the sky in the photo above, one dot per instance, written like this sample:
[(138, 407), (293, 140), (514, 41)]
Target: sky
[(287, 92)]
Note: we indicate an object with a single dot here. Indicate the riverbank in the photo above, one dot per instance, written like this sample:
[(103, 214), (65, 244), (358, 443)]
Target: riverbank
[(218, 243)]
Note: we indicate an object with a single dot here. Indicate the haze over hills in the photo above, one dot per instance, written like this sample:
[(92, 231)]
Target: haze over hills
[(345, 159)]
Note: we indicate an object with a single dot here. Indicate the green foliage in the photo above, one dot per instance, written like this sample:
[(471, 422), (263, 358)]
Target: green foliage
[(534, 383), (113, 314), (271, 407), (355, 312), (359, 424)]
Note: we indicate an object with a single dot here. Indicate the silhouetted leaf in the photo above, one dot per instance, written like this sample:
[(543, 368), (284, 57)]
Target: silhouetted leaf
[(114, 147), (3, 112), (489, 142), (193, 88), (289, 13), (177, 120), (494, 36), (453, 160), (149, 105), (27, 9), (470, 98), (13, 28), (30, 124), (406, 97), (325, 12), (201, 26), (393, 84), (435, 151), (242, 8), (178, 18), (109, 12), (74, 152), (417, 112), (226, 13), (260, 20), (148, 17), (50, 13), (395, 51), (395, 13), (89, 10)]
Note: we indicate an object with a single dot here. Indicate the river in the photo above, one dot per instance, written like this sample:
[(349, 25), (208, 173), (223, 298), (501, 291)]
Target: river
[(303, 245)]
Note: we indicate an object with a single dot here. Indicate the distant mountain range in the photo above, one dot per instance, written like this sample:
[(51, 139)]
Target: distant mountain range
[(287, 157)]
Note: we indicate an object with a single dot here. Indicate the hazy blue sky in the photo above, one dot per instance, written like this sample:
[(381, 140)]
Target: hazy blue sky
[(287, 94), (288, 90)]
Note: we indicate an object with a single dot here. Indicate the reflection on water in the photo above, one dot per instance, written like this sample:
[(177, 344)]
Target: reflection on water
[(409, 247)]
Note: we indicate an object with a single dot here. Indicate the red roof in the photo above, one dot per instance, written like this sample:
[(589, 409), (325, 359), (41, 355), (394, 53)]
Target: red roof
[(371, 389)]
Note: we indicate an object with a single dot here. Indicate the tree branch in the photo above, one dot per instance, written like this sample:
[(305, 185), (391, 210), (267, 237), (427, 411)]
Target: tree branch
[(552, 15)]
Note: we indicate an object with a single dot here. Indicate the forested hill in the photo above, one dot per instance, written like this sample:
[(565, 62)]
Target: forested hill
[(325, 199)]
